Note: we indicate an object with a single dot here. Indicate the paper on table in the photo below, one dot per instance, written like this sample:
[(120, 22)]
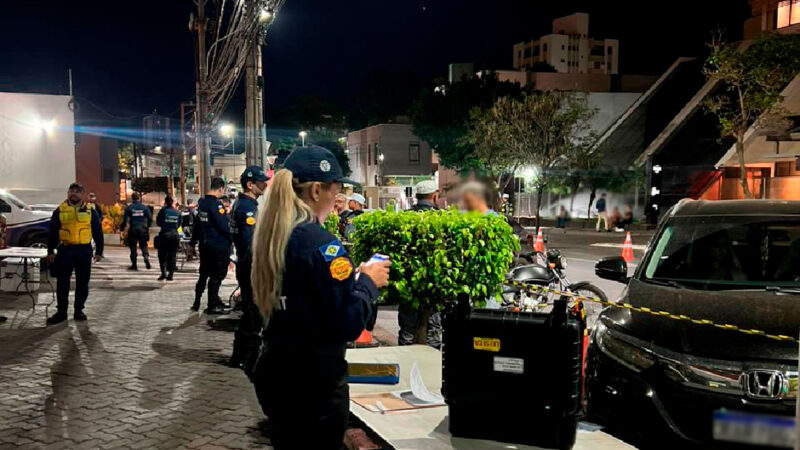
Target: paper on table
[(420, 391)]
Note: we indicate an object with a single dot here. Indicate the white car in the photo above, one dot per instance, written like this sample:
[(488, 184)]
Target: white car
[(27, 225)]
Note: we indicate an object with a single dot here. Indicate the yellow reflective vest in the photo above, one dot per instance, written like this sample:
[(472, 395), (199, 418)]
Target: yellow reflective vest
[(76, 224)]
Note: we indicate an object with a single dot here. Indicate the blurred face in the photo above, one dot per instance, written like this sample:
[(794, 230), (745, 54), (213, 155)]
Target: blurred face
[(339, 204), (219, 193), (92, 198), (75, 196), (470, 202)]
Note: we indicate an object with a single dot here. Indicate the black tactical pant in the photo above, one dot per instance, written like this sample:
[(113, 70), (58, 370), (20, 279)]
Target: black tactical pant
[(138, 236), (214, 262), (305, 396), (167, 252), (407, 319), (247, 339), (77, 258)]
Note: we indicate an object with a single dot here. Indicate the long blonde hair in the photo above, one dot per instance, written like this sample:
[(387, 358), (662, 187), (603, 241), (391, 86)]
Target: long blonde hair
[(284, 211)]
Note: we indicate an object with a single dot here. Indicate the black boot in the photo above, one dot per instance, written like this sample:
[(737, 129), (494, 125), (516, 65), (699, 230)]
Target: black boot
[(196, 304), (58, 317), (169, 277), (147, 263), (162, 277), (133, 267)]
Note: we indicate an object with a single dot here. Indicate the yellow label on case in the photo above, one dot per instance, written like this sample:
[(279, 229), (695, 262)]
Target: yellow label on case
[(488, 344)]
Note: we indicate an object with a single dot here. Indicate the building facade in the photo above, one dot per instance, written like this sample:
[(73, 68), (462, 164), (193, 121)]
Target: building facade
[(782, 16), (389, 157), (97, 167), (569, 49)]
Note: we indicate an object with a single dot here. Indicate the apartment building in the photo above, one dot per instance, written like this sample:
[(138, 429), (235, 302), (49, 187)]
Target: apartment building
[(569, 49), (782, 16)]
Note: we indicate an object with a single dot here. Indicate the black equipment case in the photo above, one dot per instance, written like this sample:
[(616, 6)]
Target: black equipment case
[(513, 377)]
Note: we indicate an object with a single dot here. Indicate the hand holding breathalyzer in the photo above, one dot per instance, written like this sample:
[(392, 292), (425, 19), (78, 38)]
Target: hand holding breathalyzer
[(377, 269)]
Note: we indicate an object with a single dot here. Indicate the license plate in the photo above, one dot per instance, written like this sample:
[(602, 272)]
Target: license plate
[(755, 429)]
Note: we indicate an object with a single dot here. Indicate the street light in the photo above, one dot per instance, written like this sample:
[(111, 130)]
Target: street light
[(380, 169), (303, 135), (229, 131), (265, 15)]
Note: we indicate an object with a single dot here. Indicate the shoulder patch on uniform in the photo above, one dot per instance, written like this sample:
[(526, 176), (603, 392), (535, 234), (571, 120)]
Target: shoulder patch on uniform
[(249, 213), (341, 268), (250, 221), (222, 211), (332, 250)]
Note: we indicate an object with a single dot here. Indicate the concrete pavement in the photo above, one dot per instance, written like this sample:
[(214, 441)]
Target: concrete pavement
[(142, 372)]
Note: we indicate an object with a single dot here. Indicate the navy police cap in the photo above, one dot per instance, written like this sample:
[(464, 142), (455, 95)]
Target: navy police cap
[(314, 163), (253, 173)]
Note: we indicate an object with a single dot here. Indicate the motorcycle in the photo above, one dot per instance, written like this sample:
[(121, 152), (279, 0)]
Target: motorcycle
[(548, 271)]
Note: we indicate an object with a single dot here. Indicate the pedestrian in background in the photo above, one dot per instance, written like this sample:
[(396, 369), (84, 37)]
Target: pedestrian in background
[(72, 228), (616, 218), (169, 220), (427, 196), (475, 198), (138, 219), (306, 288), (340, 204), (247, 340), (92, 203), (562, 218), (602, 214), (213, 233), (356, 205)]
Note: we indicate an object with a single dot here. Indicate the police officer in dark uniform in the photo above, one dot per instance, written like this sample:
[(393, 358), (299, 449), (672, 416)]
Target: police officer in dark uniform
[(306, 286), (168, 219), (72, 228), (427, 193), (138, 220), (213, 233), (244, 215)]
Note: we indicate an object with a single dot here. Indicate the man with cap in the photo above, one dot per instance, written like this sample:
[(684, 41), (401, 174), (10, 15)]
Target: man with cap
[(427, 196), (213, 233), (138, 219), (356, 205), (92, 203), (244, 215)]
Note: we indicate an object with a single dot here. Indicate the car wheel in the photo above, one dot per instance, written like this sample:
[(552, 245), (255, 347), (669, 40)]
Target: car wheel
[(592, 308), (38, 240)]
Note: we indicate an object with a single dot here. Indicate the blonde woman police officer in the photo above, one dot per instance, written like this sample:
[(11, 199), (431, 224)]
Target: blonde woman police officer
[(306, 288)]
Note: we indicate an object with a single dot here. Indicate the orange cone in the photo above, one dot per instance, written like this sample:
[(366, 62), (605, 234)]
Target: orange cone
[(539, 245), (365, 339), (627, 248)]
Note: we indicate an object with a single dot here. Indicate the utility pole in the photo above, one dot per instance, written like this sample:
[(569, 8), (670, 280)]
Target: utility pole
[(254, 133), (201, 112), (182, 181)]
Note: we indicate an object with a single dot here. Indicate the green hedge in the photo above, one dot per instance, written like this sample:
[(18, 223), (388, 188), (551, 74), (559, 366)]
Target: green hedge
[(438, 254)]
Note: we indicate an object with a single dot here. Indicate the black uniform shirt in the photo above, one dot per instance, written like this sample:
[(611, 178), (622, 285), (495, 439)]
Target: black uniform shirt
[(243, 224), (168, 219), (137, 215), (213, 222), (423, 205), (324, 305)]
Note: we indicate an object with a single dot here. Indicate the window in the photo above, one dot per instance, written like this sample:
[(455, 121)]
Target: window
[(562, 48), (369, 154), (610, 50), (544, 47), (784, 168), (788, 13), (413, 153), (375, 155), (107, 175)]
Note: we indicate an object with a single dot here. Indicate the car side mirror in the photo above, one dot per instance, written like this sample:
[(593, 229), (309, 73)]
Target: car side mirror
[(612, 268), (4, 207)]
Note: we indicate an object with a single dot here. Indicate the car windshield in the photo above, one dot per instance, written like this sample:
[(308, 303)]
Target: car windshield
[(731, 252), (11, 198)]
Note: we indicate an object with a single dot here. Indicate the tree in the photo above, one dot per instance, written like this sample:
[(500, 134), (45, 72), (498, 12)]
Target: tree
[(540, 129), (441, 116), (125, 157), (751, 81)]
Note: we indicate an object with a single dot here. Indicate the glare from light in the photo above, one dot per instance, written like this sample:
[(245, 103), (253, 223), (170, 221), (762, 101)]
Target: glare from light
[(265, 15), (157, 149), (47, 125), (194, 157), (227, 129), (656, 169), (654, 191), (380, 157), (303, 134)]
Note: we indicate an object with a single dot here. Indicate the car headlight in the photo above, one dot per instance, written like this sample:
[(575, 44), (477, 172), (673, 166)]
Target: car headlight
[(622, 350)]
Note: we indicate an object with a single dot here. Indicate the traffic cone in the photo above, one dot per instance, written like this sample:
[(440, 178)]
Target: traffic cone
[(627, 248), (539, 245), (365, 340)]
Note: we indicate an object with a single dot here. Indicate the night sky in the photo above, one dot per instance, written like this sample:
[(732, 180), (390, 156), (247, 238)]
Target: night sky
[(131, 57)]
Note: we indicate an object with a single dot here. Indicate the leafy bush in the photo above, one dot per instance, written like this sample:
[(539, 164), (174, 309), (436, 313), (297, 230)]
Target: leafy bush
[(112, 217), (332, 225), (437, 255)]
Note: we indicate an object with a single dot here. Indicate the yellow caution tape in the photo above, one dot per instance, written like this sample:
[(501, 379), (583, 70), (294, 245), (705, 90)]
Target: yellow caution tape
[(665, 314)]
